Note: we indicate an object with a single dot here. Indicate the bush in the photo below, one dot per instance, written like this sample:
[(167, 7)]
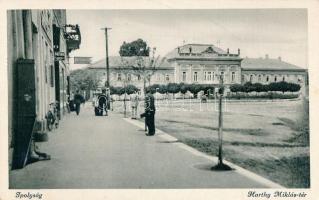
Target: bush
[(271, 87), (173, 88), (184, 88), (237, 88), (269, 95)]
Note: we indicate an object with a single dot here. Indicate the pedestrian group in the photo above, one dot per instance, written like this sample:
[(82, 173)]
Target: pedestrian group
[(101, 104)]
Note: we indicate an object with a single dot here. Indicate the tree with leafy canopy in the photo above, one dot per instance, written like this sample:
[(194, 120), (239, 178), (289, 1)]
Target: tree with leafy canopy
[(184, 88), (173, 88), (135, 48), (195, 88), (84, 79), (136, 55)]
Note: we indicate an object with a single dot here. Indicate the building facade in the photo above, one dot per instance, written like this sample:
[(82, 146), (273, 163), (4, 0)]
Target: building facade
[(204, 64), (38, 73), (200, 63), (123, 73), (267, 70)]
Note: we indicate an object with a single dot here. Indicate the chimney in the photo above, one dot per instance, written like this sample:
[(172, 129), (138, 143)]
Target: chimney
[(279, 58), (266, 56), (238, 51), (227, 50)]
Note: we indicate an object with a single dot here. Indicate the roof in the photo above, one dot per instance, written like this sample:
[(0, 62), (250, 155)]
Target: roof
[(122, 62), (195, 49), (268, 64)]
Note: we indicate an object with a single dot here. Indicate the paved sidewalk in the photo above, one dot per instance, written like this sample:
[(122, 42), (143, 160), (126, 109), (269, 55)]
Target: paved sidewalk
[(109, 152)]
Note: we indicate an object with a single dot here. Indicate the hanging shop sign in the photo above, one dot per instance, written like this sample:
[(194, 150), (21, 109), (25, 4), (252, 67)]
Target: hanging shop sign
[(82, 60), (59, 56)]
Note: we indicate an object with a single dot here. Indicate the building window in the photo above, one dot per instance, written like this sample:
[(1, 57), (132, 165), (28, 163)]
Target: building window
[(275, 79), (129, 78), (251, 78), (167, 77), (46, 72), (119, 76), (184, 76), (195, 77), (213, 76), (46, 57), (209, 76), (51, 75), (139, 77), (283, 78), (267, 79), (205, 76), (158, 77), (222, 74), (233, 76), (259, 78)]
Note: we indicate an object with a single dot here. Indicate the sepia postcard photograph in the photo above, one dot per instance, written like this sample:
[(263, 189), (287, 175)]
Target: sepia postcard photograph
[(158, 99)]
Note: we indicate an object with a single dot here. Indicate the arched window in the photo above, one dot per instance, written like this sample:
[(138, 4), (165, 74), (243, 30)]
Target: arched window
[(259, 78), (275, 79), (167, 77), (251, 78), (119, 76), (233, 76), (184, 76), (195, 77), (283, 78), (267, 79)]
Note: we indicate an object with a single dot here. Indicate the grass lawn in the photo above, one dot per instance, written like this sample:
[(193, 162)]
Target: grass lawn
[(268, 138)]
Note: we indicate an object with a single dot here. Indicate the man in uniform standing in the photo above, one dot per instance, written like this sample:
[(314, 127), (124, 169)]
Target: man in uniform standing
[(149, 113)]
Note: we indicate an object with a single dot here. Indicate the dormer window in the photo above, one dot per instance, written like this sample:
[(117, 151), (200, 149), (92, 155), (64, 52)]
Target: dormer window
[(209, 50)]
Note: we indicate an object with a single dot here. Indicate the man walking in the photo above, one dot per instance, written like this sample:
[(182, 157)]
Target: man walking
[(149, 114), (102, 103), (78, 99), (134, 104)]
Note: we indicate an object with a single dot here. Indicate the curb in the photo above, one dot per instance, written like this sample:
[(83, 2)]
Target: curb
[(240, 170)]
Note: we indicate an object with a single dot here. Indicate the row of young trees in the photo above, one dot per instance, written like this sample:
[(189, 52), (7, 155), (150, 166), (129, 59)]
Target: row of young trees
[(129, 89), (163, 89), (208, 88), (271, 87), (181, 87)]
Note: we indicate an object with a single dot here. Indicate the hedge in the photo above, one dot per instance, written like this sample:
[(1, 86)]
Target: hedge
[(271, 87)]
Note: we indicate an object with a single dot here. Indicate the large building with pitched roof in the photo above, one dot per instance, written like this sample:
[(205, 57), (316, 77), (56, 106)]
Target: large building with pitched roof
[(122, 71), (203, 64), (266, 70)]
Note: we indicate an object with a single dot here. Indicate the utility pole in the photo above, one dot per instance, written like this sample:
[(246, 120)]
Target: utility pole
[(107, 66)]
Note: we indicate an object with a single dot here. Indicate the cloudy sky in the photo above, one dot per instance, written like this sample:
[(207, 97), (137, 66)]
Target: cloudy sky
[(276, 32)]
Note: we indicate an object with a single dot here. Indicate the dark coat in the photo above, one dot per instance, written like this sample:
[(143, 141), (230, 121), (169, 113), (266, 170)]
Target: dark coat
[(78, 99)]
